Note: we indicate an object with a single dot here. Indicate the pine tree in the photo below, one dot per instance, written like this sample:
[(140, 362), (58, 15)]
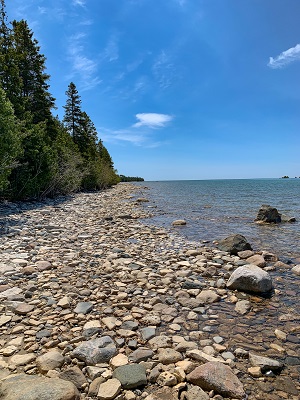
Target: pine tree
[(73, 114), (35, 100), (10, 146)]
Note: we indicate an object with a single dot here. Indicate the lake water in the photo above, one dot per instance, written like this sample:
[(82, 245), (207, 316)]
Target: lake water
[(215, 209)]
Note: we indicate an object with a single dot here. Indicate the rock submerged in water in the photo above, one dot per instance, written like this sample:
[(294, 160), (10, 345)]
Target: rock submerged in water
[(250, 278), (179, 222), (270, 215), (233, 244)]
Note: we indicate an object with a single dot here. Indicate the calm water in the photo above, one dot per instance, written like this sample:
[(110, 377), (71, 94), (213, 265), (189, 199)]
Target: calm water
[(215, 209)]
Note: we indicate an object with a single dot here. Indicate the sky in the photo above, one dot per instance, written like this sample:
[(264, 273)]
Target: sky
[(179, 89)]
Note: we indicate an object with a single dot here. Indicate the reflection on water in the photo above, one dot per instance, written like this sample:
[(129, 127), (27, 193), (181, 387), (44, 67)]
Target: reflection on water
[(215, 209)]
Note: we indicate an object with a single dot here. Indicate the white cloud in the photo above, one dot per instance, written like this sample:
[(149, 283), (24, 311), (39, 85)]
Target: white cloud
[(152, 120), (141, 137), (285, 58)]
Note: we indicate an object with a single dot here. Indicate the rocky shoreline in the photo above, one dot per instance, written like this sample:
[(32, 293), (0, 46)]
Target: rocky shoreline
[(96, 304)]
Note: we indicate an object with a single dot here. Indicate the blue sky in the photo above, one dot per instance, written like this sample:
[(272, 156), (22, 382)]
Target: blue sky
[(179, 89)]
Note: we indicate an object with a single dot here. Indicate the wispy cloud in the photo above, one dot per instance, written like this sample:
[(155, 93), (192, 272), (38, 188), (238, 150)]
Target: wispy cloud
[(164, 70), (147, 123), (111, 51), (80, 3), (285, 58), (83, 67), (152, 120)]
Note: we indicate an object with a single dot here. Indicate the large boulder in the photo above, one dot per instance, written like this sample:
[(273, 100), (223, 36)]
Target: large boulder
[(32, 387), (250, 278), (234, 244), (268, 214), (218, 377)]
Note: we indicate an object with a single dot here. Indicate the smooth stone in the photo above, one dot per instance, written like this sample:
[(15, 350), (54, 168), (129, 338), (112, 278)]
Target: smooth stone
[(22, 359), (31, 387), (250, 278), (296, 270), (234, 244), (218, 377), (258, 260), (48, 361), (109, 389), (179, 222), (24, 308), (119, 360), (131, 376), (74, 375), (4, 319)]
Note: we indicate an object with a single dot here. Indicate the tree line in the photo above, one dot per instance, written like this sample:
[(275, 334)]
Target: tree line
[(41, 155)]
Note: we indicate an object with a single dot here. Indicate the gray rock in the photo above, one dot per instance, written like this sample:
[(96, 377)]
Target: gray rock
[(218, 377), (131, 376), (30, 387), (96, 351), (83, 307), (268, 214), (148, 333), (265, 363), (140, 355), (234, 244), (250, 278)]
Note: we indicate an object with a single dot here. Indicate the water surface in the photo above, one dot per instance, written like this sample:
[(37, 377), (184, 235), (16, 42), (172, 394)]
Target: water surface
[(215, 209)]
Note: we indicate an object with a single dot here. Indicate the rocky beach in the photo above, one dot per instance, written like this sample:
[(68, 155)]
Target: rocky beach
[(96, 304)]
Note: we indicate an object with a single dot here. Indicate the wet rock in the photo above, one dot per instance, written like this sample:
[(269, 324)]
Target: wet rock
[(218, 377), (179, 222), (234, 244), (265, 363), (96, 351), (28, 387), (268, 214), (131, 376), (296, 269), (250, 278), (242, 307), (208, 297)]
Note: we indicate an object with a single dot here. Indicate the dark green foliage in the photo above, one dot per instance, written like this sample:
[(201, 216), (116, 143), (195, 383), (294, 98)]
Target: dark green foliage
[(124, 178), (39, 155), (10, 147)]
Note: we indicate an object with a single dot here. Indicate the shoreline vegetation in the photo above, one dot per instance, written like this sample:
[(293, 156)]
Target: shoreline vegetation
[(41, 155), (96, 303)]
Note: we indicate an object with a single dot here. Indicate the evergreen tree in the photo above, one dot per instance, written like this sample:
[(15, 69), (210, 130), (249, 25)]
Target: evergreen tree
[(35, 102), (87, 141), (73, 114), (9, 140)]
